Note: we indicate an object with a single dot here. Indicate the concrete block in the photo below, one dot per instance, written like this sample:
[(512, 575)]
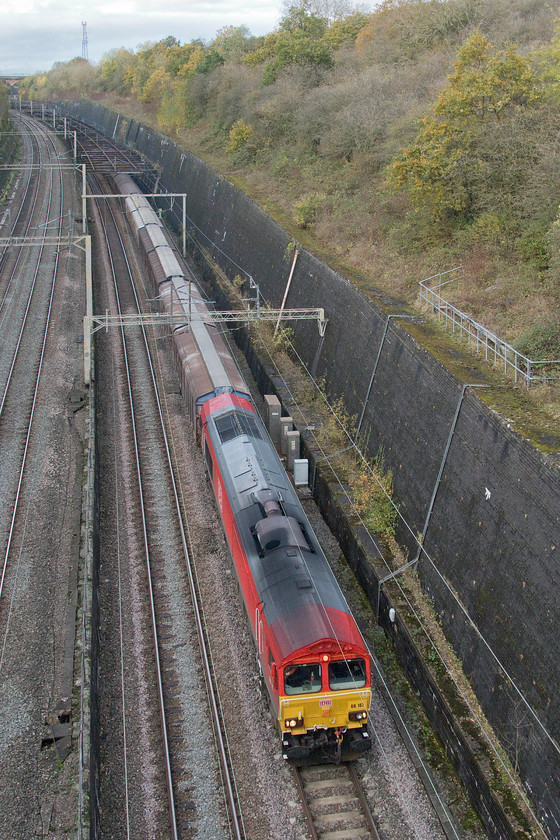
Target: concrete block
[(273, 412), (292, 448), (286, 425), (301, 472)]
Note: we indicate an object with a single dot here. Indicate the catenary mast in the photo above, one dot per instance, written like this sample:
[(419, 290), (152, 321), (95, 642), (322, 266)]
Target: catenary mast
[(84, 41)]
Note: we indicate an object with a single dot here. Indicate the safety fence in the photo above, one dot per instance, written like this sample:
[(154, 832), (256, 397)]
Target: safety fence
[(496, 351)]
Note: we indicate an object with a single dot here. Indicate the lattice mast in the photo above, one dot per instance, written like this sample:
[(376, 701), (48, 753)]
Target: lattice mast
[(84, 41)]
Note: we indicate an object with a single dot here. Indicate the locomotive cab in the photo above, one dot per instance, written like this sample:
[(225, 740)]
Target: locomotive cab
[(324, 709)]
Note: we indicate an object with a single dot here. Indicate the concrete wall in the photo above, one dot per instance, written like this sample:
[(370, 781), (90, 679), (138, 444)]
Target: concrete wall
[(494, 532)]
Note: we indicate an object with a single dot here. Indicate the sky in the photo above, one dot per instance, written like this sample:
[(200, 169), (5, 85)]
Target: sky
[(34, 34)]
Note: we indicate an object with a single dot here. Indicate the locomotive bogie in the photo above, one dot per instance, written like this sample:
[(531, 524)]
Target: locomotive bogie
[(322, 746)]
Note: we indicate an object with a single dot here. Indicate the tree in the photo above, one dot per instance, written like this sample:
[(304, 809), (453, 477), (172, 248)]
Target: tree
[(211, 60), (486, 84), (300, 21), (156, 86), (173, 113), (297, 41), (303, 51), (114, 69), (234, 42), (196, 58), (345, 29), (329, 10), (471, 145), (170, 41), (177, 56)]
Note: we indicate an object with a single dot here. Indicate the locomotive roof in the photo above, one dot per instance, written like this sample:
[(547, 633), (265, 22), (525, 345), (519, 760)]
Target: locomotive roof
[(300, 596)]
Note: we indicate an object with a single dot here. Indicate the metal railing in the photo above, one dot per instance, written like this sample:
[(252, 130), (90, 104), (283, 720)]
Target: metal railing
[(495, 350)]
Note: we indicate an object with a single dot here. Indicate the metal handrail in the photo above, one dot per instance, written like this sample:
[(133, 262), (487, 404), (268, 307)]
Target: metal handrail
[(487, 342)]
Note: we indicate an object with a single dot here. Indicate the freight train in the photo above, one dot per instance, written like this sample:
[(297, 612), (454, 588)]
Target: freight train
[(312, 657)]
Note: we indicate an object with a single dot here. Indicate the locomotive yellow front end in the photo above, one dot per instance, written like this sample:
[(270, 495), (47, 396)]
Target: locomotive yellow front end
[(323, 710)]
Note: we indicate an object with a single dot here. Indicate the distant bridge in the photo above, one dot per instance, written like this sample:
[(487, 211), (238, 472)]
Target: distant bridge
[(12, 80)]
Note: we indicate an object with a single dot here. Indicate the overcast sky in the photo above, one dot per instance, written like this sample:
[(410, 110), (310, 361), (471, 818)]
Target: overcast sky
[(34, 34)]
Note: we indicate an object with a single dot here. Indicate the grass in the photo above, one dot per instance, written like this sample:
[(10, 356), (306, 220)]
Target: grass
[(534, 413)]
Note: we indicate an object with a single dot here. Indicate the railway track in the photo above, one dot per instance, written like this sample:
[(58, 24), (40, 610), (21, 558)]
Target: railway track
[(344, 812), (41, 441), (21, 222), (25, 311), (334, 803), (160, 518), (353, 820), (102, 154)]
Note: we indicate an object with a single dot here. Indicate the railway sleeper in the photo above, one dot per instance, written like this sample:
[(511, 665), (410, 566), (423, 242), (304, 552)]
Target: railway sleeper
[(334, 801), (346, 834)]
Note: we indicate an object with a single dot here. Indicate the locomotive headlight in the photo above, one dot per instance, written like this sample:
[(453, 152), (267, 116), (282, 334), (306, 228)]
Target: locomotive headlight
[(291, 723), (358, 716)]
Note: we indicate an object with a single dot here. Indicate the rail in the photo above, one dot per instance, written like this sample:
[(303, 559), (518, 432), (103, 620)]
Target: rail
[(496, 351), (334, 803), (237, 831)]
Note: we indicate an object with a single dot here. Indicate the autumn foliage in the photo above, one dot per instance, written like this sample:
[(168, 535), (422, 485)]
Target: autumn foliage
[(418, 136), (454, 164)]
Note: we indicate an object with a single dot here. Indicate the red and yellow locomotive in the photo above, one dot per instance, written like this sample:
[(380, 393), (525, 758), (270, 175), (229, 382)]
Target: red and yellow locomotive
[(313, 659)]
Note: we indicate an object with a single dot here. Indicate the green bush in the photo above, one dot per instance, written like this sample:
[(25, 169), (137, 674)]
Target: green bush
[(239, 135), (373, 492), (533, 245), (306, 209)]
